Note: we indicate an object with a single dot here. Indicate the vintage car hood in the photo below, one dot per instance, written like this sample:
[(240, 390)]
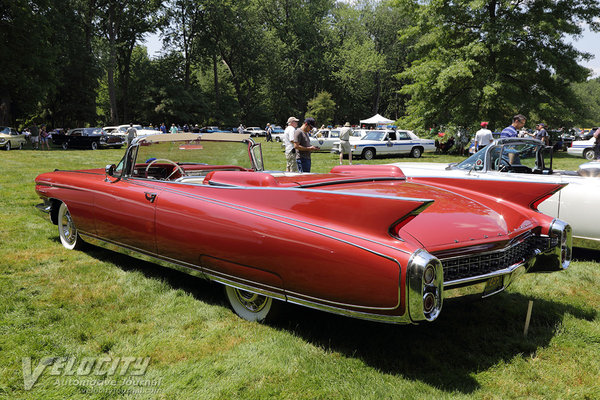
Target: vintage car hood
[(4, 135), (452, 219)]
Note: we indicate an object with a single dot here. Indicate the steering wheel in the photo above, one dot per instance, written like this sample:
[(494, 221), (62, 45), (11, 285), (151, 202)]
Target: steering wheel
[(501, 165), (177, 167)]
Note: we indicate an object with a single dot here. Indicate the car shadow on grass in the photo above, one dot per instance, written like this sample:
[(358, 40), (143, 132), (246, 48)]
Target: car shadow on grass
[(468, 337)]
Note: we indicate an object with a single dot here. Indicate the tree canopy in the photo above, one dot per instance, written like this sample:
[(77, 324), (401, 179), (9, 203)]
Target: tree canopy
[(224, 62)]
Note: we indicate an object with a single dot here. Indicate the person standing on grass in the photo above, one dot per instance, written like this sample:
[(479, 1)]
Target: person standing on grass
[(131, 134), (288, 140), (483, 137), (44, 138), (35, 137), (345, 134), (302, 145), (173, 129)]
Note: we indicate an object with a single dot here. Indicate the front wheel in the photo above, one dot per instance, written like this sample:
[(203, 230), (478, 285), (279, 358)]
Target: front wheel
[(250, 306), (21, 146), (368, 154), (8, 146), (416, 152), (65, 145), (67, 230), (94, 145), (588, 154)]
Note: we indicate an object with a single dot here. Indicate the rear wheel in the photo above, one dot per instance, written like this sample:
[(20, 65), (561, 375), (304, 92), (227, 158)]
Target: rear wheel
[(21, 146), (250, 306), (588, 154), (416, 152), (67, 230), (65, 145), (368, 154), (94, 145)]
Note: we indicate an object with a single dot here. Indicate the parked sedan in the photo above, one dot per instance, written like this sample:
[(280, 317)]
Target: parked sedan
[(389, 142), (254, 131), (529, 160), (10, 138), (206, 205), (87, 138), (583, 148)]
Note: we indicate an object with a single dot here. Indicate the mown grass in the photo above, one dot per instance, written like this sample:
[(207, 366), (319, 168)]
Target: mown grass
[(56, 302)]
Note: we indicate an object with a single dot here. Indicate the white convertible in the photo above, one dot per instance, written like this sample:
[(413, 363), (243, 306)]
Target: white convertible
[(524, 159), (389, 142)]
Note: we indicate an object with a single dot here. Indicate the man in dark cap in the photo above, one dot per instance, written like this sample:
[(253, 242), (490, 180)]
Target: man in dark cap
[(541, 133), (302, 144)]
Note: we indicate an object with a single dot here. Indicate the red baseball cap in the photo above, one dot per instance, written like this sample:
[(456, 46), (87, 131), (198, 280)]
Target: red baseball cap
[(484, 123)]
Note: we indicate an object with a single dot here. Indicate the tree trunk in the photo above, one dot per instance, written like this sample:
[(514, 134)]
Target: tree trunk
[(216, 82), (112, 60)]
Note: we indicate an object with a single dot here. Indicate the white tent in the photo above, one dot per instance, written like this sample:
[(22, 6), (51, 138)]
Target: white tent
[(377, 120)]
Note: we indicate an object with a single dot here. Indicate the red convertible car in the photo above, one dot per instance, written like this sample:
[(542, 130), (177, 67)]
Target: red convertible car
[(362, 241)]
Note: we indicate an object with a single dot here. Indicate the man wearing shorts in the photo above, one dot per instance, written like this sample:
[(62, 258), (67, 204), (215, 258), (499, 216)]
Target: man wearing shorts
[(345, 134)]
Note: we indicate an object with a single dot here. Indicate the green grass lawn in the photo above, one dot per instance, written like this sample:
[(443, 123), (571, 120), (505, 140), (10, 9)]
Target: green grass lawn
[(95, 303)]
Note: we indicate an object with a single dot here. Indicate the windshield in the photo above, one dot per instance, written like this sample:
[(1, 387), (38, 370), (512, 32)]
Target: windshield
[(375, 135), (92, 131), (190, 150), (475, 162), (4, 129), (508, 157)]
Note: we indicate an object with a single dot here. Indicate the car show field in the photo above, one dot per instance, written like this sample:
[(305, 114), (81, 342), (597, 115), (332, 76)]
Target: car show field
[(99, 304)]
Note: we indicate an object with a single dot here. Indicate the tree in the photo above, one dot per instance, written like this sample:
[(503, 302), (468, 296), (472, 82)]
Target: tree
[(490, 59), (321, 108)]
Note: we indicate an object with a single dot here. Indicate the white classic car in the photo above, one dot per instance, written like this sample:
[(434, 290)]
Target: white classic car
[(582, 148), (254, 131), (327, 138), (10, 138), (526, 159), (389, 142)]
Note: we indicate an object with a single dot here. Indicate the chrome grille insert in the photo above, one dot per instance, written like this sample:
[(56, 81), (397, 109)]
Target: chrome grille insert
[(459, 268)]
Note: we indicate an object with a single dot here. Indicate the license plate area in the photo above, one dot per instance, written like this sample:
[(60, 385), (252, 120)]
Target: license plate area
[(493, 286)]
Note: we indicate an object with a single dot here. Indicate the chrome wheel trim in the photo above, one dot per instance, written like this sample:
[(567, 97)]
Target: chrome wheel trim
[(369, 154), (589, 154), (248, 305), (66, 228), (8, 146)]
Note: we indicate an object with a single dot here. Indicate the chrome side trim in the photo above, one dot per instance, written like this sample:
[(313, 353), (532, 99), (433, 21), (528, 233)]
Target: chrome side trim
[(391, 319), (143, 255), (249, 285)]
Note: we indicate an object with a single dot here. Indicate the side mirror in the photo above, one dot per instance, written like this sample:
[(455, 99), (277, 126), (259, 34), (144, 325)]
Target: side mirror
[(110, 171)]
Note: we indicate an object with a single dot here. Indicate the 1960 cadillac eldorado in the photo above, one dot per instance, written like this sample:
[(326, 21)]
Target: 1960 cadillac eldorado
[(361, 241)]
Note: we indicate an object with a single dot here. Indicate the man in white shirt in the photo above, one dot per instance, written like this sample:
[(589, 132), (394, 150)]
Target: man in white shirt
[(483, 137), (345, 134), (288, 140)]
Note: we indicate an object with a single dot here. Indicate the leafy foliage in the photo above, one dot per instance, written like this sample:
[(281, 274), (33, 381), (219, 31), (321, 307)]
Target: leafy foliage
[(227, 62)]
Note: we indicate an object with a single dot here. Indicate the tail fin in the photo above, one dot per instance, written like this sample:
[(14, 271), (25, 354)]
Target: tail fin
[(524, 193)]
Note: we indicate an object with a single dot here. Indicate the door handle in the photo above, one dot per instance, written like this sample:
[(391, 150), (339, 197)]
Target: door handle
[(150, 196)]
